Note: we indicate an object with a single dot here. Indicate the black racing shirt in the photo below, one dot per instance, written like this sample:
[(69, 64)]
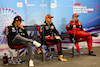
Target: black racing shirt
[(12, 31)]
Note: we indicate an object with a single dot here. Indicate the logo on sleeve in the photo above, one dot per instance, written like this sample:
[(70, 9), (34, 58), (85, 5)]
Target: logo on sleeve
[(13, 29)]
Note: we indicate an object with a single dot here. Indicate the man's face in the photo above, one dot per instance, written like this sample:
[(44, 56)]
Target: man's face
[(48, 20), (18, 23), (75, 18)]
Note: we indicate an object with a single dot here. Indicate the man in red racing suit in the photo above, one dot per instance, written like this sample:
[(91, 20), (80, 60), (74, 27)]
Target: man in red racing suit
[(77, 34)]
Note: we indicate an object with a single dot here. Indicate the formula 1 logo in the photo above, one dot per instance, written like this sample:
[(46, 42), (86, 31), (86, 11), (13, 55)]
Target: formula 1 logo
[(78, 8)]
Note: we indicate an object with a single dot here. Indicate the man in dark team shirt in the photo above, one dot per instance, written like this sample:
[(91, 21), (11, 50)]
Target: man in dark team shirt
[(50, 34), (18, 36), (77, 34)]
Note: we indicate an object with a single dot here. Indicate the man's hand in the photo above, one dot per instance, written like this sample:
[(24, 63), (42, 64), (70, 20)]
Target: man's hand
[(58, 37), (52, 27), (95, 35), (21, 27)]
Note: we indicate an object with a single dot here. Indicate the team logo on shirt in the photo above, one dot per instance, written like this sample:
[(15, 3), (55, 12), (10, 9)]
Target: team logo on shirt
[(22, 33), (80, 26), (7, 31), (46, 27), (74, 26), (13, 29), (20, 30), (41, 28), (68, 25), (79, 23)]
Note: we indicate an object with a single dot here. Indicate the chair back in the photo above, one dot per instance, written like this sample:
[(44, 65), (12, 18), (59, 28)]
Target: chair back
[(10, 44)]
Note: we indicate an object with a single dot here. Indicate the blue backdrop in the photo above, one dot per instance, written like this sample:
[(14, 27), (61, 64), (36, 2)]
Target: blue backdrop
[(34, 11)]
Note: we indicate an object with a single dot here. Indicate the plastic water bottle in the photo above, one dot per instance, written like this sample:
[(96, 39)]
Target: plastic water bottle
[(5, 59)]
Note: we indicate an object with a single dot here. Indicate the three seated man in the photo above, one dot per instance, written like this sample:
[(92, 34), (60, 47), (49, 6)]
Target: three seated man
[(18, 35)]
